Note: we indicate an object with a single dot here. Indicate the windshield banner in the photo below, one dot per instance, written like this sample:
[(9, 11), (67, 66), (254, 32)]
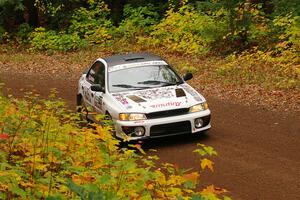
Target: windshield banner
[(139, 64)]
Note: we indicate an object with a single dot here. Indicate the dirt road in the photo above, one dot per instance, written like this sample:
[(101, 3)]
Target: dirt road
[(259, 150)]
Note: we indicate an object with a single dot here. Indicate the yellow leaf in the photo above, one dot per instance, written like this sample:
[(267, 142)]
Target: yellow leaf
[(44, 189), (207, 163), (76, 179), (150, 186), (97, 166), (40, 166), (52, 158), (26, 184), (174, 180), (213, 190)]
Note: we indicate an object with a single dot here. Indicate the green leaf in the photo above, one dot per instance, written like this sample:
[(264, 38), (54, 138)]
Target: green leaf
[(226, 198), (210, 150), (18, 191), (188, 184), (54, 197), (197, 197), (105, 179), (3, 195), (201, 152)]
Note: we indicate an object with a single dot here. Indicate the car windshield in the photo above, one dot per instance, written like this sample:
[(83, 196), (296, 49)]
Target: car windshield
[(142, 77)]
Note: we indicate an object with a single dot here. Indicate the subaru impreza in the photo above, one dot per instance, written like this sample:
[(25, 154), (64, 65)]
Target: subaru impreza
[(143, 96)]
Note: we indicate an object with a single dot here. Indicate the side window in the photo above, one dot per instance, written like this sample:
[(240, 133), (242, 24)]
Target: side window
[(96, 75)]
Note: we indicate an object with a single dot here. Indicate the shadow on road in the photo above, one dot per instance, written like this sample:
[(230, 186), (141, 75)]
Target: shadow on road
[(157, 143)]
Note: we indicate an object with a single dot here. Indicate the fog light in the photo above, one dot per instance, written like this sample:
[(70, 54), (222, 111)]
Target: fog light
[(139, 131), (198, 123)]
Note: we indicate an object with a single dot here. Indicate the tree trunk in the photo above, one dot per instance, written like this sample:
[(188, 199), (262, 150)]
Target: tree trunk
[(31, 15), (116, 9)]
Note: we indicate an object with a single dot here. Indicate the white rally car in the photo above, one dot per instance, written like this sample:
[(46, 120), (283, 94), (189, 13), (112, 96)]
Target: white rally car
[(144, 97)]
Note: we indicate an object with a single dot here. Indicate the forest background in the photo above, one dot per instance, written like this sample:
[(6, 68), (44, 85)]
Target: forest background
[(253, 41)]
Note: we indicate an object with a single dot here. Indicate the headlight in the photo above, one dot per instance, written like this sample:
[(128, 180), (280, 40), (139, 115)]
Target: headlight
[(199, 107), (131, 116)]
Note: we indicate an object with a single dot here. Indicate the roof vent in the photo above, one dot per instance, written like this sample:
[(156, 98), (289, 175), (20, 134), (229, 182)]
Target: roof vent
[(133, 58)]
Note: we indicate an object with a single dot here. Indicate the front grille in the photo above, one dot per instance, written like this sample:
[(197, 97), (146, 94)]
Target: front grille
[(170, 129), (167, 113)]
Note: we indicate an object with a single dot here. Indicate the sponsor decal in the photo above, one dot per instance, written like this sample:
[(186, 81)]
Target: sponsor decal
[(160, 93), (122, 99), (98, 102), (168, 104), (87, 96), (139, 64)]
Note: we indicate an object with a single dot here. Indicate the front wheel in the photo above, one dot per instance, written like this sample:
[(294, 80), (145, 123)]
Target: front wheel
[(81, 108)]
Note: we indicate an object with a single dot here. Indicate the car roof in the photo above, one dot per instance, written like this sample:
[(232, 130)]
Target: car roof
[(128, 58)]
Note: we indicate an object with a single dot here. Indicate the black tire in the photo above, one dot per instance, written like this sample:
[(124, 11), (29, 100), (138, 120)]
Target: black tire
[(81, 109)]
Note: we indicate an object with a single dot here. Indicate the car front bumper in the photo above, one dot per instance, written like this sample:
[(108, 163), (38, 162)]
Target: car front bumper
[(166, 126)]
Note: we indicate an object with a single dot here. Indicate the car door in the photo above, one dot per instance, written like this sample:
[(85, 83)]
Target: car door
[(92, 78), (97, 96)]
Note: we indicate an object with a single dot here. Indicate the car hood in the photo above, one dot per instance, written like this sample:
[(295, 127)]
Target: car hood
[(158, 99)]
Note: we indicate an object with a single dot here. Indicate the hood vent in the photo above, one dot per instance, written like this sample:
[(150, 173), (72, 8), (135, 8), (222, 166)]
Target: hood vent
[(180, 92), (136, 98)]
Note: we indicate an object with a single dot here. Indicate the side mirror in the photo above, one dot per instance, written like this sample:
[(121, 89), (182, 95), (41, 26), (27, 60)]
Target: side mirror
[(97, 88), (187, 76)]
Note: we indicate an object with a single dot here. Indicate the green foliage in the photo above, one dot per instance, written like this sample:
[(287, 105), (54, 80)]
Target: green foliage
[(92, 23), (287, 29), (259, 25), (187, 31), (9, 12), (281, 8), (2, 32), (45, 154), (138, 21), (231, 28), (189, 27), (88, 26), (51, 8), (51, 40), (23, 33), (247, 25), (56, 14)]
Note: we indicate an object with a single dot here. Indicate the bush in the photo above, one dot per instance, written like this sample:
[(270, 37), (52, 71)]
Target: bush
[(287, 29), (187, 31), (40, 39), (138, 21), (92, 23), (24, 33), (44, 153)]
